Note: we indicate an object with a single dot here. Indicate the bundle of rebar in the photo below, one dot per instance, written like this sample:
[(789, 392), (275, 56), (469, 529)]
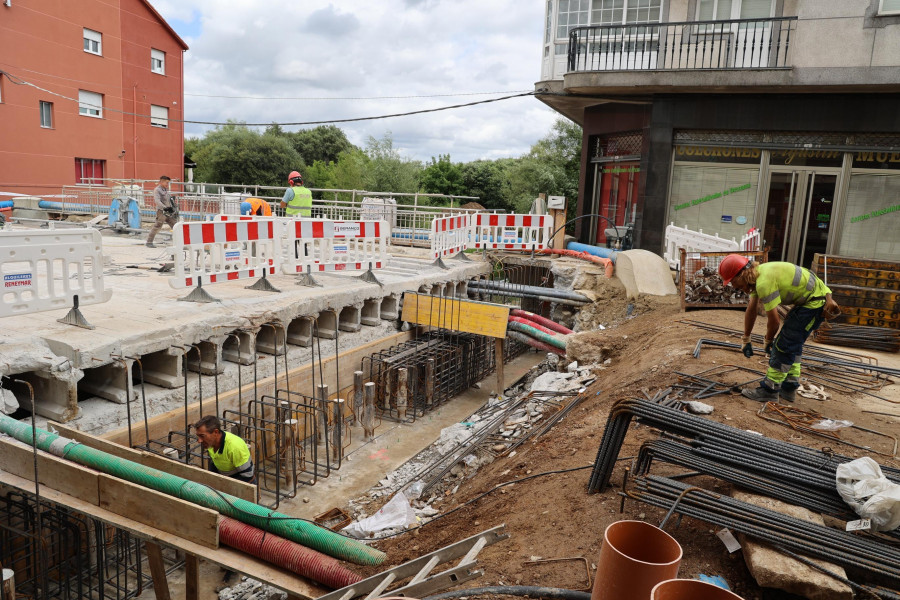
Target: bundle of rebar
[(749, 448), (878, 560), (506, 288), (859, 336)]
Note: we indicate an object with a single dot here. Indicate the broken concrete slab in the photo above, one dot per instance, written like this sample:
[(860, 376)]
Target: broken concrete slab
[(772, 569), (643, 272)]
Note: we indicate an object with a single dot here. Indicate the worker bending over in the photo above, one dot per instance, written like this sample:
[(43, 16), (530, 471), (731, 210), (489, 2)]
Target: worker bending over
[(256, 207), (772, 284), (228, 453)]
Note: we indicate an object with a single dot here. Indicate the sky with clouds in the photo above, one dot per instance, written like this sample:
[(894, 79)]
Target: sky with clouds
[(365, 48)]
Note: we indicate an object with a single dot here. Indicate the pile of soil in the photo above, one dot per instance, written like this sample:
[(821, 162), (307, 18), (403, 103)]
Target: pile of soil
[(554, 517)]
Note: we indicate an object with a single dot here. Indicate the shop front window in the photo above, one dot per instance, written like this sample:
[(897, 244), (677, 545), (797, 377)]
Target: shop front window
[(715, 199), (871, 226)]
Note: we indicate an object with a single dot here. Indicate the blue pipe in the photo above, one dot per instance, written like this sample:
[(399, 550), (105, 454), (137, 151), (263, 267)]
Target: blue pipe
[(6, 203), (594, 250)]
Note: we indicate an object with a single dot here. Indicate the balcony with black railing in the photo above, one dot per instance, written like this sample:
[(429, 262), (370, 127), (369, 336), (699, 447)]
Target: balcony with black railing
[(692, 45)]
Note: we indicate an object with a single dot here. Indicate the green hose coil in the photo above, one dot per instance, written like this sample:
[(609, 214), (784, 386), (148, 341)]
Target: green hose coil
[(296, 530), (557, 341)]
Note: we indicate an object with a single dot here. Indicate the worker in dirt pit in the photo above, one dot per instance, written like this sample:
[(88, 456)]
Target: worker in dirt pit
[(772, 284), (256, 207), (228, 453), (297, 201)]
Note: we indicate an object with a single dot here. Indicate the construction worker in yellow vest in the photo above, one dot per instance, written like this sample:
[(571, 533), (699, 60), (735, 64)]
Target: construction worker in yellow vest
[(229, 454), (297, 201)]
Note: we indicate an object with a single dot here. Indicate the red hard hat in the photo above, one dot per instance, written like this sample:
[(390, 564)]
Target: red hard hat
[(731, 266), (295, 175)]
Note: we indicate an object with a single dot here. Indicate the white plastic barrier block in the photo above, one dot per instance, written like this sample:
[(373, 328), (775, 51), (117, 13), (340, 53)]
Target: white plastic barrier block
[(752, 241), (450, 235), (510, 232), (45, 270), (317, 245), (223, 250), (693, 241)]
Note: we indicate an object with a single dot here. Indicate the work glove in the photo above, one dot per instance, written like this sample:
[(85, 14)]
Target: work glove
[(747, 346), (768, 348)]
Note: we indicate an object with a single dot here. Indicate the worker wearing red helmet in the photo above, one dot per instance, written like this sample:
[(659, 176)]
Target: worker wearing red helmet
[(297, 201), (772, 284)]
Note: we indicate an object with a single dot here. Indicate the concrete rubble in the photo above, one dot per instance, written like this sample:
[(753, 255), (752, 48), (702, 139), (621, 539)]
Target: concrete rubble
[(250, 589)]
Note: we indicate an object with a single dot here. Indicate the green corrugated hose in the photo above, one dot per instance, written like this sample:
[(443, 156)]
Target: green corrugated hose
[(279, 524), (558, 341)]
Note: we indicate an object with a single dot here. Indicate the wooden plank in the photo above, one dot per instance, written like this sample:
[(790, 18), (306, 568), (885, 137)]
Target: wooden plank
[(158, 571), (862, 281), (300, 379), (191, 577), (498, 359), (469, 316), (860, 301), (870, 321), (73, 479), (225, 557), (242, 490), (880, 295), (860, 263), (167, 513)]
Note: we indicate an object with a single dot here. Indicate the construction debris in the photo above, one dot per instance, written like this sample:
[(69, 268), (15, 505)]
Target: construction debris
[(250, 589), (706, 287)]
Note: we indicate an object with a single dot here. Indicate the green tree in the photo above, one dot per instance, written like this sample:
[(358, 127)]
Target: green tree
[(323, 143), (441, 176), (389, 171), (488, 180)]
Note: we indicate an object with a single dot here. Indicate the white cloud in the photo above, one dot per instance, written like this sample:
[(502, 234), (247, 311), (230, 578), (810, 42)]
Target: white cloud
[(360, 48)]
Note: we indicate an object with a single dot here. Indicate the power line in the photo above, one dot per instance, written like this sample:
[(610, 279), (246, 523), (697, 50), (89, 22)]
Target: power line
[(18, 81), (356, 97)]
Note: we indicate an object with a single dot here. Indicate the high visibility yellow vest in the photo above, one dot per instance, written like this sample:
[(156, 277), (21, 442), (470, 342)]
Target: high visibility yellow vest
[(786, 283), (300, 204), (234, 457)]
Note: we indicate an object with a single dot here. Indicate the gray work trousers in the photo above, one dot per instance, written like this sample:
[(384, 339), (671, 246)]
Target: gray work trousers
[(161, 219)]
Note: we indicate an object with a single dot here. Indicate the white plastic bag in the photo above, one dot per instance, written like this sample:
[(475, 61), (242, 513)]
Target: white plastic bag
[(396, 513), (873, 496)]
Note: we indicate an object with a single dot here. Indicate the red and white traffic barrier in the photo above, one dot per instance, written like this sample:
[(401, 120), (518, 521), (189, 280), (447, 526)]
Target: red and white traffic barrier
[(317, 245), (49, 270), (450, 235), (227, 250), (510, 232)]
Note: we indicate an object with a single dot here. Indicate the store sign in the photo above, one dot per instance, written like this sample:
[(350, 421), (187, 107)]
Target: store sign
[(783, 156), (716, 151), (727, 192), (875, 213), (621, 170), (876, 157)]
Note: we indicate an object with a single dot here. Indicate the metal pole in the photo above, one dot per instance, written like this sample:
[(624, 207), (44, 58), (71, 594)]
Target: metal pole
[(368, 416), (358, 395)]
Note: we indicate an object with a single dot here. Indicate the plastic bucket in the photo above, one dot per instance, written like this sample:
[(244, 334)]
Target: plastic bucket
[(635, 556)]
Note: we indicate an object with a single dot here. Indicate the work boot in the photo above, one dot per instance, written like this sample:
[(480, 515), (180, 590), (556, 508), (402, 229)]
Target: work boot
[(151, 245), (787, 395), (760, 394)]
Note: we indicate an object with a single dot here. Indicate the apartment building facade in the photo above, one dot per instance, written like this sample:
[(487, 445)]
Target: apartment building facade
[(725, 115), (93, 91)]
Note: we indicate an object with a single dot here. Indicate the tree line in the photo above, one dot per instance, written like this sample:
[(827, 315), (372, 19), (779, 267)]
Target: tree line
[(241, 155)]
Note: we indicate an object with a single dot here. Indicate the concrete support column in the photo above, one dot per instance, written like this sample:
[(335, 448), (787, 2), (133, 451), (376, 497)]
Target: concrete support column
[(371, 313), (337, 432), (112, 381), (322, 413), (368, 415), (402, 392), (270, 339), (462, 289), (328, 325), (358, 395), (210, 360), (429, 383), (349, 319), (389, 308), (240, 346), (163, 368), (299, 332)]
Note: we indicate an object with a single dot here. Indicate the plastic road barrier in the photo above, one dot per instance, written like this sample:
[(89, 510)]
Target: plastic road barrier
[(450, 235), (510, 232), (47, 270), (219, 251), (752, 240), (316, 245), (693, 241)]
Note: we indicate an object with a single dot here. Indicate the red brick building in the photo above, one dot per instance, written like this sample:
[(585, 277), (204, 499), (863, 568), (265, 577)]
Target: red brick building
[(95, 61)]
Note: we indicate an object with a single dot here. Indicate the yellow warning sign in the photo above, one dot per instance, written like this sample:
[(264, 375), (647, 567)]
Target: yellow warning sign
[(468, 316)]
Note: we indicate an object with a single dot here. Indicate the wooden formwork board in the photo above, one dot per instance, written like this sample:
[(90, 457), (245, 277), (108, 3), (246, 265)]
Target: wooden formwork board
[(468, 316), (224, 557), (236, 488), (140, 504)]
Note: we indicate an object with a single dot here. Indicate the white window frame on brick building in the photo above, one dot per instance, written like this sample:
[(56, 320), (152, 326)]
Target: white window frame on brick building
[(46, 114), (159, 116), (93, 42), (157, 61), (90, 104)]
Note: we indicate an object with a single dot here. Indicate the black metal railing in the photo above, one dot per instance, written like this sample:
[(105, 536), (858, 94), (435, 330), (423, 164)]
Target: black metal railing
[(726, 45)]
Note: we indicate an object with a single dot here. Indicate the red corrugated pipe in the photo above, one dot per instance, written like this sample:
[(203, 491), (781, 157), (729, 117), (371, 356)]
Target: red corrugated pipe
[(521, 337), (540, 320), (285, 554), (530, 323), (607, 263)]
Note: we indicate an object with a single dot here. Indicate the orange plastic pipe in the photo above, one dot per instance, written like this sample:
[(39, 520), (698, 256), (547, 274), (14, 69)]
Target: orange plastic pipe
[(634, 557), (607, 263), (690, 589)]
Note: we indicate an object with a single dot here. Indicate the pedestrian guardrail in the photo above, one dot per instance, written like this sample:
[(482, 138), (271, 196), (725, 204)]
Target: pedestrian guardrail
[(693, 241), (50, 270), (450, 235)]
